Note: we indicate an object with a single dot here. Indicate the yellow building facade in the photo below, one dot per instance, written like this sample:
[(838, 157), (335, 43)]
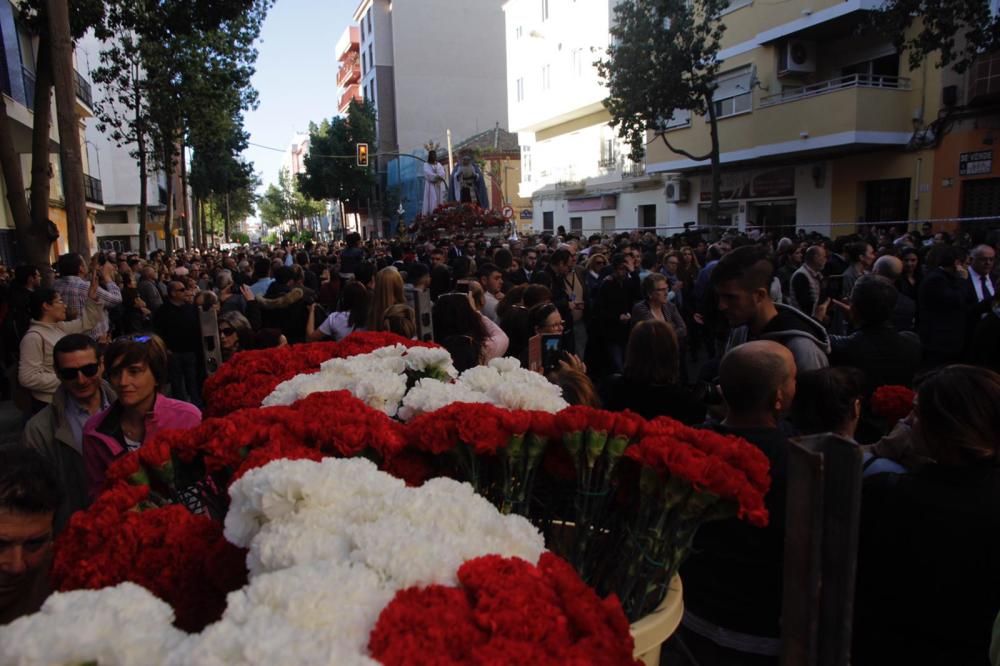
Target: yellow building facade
[(819, 125)]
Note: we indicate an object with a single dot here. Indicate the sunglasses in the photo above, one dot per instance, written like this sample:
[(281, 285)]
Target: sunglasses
[(225, 332), (68, 374)]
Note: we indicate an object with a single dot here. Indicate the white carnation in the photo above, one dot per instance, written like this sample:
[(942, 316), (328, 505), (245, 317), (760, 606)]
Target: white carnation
[(428, 395), (115, 626)]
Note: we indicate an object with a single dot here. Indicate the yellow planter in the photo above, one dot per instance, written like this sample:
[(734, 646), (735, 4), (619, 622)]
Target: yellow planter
[(652, 631)]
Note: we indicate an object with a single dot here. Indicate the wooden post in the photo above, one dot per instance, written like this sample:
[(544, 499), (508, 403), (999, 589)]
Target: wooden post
[(821, 547)]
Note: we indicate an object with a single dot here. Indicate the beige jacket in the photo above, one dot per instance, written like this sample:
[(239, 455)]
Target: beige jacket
[(35, 370)]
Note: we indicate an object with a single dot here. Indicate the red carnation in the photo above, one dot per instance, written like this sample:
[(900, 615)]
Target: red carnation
[(892, 402)]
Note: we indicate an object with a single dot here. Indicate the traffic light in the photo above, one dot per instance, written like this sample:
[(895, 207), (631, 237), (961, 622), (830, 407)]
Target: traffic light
[(362, 154)]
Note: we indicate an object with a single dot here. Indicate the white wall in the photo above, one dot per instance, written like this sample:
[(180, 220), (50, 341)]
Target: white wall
[(567, 43), (457, 82)]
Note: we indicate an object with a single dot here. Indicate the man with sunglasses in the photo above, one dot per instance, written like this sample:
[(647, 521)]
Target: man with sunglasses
[(56, 432)]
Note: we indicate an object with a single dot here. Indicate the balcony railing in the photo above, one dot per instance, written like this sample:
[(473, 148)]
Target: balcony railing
[(92, 191), (633, 169), (832, 85), (83, 89), (352, 92), (350, 72)]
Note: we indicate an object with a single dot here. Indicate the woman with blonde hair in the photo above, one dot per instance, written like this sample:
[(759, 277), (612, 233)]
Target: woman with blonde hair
[(388, 292)]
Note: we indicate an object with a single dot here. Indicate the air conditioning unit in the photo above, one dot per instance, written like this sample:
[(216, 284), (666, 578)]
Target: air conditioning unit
[(796, 56), (677, 190)]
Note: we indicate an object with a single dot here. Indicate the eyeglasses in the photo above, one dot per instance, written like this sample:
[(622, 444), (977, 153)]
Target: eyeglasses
[(68, 374), (226, 332)]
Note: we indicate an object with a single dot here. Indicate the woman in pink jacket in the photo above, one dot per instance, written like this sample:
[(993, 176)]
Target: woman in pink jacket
[(137, 367)]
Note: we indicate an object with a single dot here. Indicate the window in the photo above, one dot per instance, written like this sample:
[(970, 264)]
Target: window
[(519, 32), (607, 224), (679, 118), (526, 164), (364, 64), (369, 17), (545, 10), (576, 225), (609, 151), (546, 77), (371, 60), (733, 93), (362, 31), (373, 90), (548, 219), (577, 62), (520, 90)]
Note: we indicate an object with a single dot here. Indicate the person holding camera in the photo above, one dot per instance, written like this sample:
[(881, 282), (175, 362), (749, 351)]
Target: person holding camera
[(73, 287)]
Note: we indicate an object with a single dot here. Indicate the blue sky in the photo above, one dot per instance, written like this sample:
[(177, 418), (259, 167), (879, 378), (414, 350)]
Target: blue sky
[(296, 75)]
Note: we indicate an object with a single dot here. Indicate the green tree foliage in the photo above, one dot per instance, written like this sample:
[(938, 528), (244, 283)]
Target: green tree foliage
[(284, 202), (663, 58), (958, 30), (331, 171), (177, 72)]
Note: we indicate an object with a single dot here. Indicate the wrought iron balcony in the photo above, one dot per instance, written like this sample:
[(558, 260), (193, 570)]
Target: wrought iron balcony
[(84, 92), (92, 191)]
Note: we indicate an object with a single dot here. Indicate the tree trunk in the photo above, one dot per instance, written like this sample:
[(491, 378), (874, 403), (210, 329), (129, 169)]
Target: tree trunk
[(40, 165), (184, 201), (140, 143), (196, 213), (227, 227), (33, 241), (713, 125), (168, 234), (69, 126)]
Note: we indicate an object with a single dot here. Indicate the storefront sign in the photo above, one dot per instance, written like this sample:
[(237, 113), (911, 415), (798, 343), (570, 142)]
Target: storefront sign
[(762, 184), (975, 164), (527, 214)]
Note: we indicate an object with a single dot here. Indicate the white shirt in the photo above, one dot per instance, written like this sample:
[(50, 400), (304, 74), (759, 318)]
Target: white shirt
[(977, 284), (335, 326)]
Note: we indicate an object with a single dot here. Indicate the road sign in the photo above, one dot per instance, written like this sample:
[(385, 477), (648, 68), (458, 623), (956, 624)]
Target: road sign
[(508, 212)]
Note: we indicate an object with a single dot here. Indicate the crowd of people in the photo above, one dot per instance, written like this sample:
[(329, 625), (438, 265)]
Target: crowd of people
[(753, 335)]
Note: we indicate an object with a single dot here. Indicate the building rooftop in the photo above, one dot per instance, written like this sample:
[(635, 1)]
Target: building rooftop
[(496, 140)]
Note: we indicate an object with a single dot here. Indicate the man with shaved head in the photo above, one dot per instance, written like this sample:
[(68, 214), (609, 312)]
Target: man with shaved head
[(904, 314), (733, 578)]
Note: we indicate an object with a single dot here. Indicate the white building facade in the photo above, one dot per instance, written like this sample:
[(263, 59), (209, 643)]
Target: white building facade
[(430, 66), (573, 166)]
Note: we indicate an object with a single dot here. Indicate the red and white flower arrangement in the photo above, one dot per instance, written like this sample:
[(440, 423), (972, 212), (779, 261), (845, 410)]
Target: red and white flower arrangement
[(331, 561)]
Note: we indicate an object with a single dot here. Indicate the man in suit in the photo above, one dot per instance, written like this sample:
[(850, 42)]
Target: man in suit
[(943, 307), (904, 314), (981, 284)]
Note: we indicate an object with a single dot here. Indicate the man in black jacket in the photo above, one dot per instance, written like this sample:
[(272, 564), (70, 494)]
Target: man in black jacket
[(886, 355), (942, 307), (733, 578), (178, 323)]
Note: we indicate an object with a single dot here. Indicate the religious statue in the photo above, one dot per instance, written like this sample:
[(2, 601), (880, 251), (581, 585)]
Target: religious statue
[(468, 183), (435, 184)]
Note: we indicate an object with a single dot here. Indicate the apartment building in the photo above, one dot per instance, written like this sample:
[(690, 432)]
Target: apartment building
[(428, 66), (966, 182), (116, 224), (348, 51), (821, 124), (18, 48), (573, 166)]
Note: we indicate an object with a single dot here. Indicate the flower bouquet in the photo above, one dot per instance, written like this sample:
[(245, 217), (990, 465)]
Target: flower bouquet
[(366, 488), (892, 402), (453, 218)]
